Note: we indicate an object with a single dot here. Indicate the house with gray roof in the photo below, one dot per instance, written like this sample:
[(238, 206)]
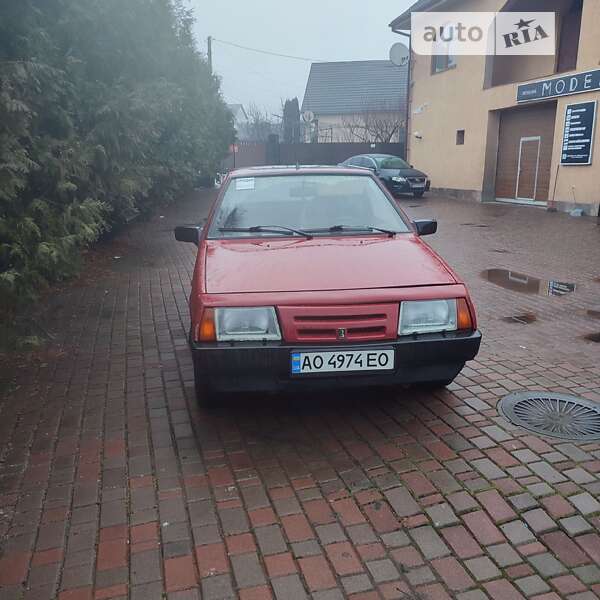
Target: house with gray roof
[(355, 101)]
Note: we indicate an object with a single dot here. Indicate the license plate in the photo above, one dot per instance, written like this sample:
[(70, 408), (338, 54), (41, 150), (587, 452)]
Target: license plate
[(418, 185), (349, 361)]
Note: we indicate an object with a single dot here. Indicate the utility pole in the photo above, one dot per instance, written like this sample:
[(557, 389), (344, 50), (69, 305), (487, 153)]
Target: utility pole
[(209, 53)]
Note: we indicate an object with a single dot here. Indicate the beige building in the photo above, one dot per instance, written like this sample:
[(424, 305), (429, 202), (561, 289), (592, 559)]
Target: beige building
[(513, 128)]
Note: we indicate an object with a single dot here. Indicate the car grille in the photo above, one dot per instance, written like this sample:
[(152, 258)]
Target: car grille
[(339, 324), (416, 179)]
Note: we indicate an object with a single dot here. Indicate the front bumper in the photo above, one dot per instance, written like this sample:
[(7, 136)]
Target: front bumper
[(396, 187), (250, 366)]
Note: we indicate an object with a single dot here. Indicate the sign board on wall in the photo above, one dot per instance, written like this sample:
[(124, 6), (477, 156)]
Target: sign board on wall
[(578, 136), (559, 86)]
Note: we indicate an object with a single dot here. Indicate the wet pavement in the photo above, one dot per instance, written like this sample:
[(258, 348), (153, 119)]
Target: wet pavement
[(113, 484)]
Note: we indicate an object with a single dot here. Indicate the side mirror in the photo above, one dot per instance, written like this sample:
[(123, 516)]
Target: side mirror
[(188, 233), (425, 226)]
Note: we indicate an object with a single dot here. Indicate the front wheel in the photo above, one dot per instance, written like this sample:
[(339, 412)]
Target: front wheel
[(418, 194), (437, 385)]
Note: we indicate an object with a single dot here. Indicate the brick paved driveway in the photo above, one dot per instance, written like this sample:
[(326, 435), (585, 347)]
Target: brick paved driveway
[(114, 485)]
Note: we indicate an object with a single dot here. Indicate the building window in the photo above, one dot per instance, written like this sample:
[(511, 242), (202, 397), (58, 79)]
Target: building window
[(460, 137), (443, 56), (442, 62)]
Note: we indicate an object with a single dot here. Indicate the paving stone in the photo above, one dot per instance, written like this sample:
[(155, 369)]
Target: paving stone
[(362, 534), (488, 469), (442, 515), (457, 465), (402, 502), (546, 565), (539, 520), (288, 587), (330, 533), (585, 503), (420, 575), (540, 489), (395, 539), (517, 532), (523, 501), (429, 542), (554, 457), (532, 585), (579, 475), (247, 570), (482, 568), (270, 539), (575, 525), (306, 548), (589, 574), (353, 584), (218, 587), (472, 595), (504, 555), (526, 456), (383, 570), (547, 472), (573, 452), (444, 482), (328, 595)]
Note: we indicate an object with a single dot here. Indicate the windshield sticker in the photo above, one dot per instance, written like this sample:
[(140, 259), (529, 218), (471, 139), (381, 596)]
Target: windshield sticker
[(246, 183)]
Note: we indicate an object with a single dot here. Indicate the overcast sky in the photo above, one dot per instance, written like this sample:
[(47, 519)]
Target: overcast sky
[(317, 29)]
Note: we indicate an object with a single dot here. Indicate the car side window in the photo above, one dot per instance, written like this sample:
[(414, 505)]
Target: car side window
[(369, 163), (359, 161), (352, 162)]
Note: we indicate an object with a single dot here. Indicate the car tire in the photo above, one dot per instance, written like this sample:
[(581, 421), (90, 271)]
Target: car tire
[(206, 395), (437, 385), (418, 194)]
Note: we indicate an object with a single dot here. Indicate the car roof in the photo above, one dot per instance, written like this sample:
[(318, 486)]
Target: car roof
[(297, 170), (380, 155)]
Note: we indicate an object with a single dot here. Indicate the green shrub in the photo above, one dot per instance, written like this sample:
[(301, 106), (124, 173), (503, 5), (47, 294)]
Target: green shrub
[(107, 110)]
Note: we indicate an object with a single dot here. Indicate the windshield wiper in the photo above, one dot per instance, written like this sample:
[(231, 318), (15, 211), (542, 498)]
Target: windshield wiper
[(281, 229), (341, 228)]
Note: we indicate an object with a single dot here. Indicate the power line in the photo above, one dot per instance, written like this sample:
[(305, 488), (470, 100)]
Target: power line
[(302, 58)]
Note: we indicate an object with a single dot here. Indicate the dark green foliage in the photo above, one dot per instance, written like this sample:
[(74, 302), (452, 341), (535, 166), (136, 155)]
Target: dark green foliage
[(107, 110)]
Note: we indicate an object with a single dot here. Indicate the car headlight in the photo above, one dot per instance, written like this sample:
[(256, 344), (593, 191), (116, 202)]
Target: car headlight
[(427, 316), (399, 179), (247, 324)]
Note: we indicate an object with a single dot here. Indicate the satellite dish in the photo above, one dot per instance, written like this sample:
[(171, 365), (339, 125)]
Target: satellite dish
[(399, 54), (308, 116)]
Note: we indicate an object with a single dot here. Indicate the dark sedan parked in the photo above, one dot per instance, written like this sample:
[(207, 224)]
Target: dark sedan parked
[(397, 175)]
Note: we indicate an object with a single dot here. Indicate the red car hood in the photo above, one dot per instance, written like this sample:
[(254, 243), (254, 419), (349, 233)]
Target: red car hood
[(340, 263)]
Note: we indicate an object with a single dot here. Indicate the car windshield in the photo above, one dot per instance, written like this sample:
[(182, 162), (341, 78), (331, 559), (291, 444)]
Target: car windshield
[(392, 162), (319, 204)]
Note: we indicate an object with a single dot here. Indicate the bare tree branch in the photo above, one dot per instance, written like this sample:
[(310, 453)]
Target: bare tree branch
[(376, 123)]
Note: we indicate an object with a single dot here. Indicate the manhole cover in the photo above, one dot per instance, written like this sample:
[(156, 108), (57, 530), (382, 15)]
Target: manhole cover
[(554, 415)]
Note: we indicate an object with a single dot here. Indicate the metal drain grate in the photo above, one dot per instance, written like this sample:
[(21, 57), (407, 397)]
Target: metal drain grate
[(554, 415)]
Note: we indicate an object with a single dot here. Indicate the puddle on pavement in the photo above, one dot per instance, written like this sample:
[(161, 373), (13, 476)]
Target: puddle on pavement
[(595, 314), (592, 337), (474, 225), (524, 284), (523, 319), (500, 251)]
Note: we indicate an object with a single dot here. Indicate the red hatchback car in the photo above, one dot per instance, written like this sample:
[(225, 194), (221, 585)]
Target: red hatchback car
[(314, 277)]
